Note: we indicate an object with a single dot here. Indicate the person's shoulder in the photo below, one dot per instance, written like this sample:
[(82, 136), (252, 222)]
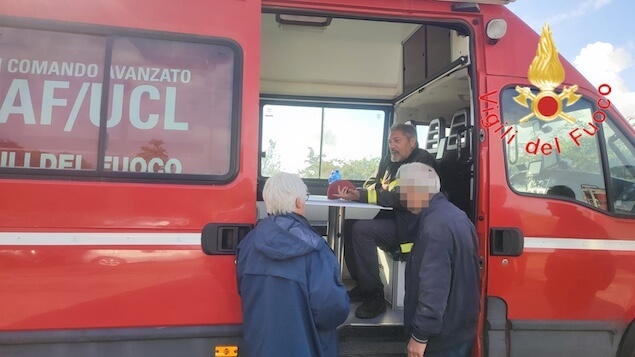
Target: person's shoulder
[(303, 230), (263, 226), (443, 203), (248, 241), (423, 156), (442, 211), (446, 215), (423, 153)]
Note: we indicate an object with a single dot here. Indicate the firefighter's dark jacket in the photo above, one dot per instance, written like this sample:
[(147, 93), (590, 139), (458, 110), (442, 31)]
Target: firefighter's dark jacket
[(381, 189)]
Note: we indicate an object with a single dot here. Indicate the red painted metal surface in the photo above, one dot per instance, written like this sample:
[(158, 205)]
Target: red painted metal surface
[(557, 284), (61, 287)]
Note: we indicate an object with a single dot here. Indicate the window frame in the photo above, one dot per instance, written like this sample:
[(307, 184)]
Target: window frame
[(110, 33), (314, 183), (610, 200), (602, 150)]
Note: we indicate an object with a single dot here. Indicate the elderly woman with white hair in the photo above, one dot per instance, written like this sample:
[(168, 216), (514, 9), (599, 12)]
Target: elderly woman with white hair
[(441, 303), (289, 280)]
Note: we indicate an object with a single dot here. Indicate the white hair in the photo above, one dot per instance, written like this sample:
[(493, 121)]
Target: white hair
[(281, 191), (417, 174)]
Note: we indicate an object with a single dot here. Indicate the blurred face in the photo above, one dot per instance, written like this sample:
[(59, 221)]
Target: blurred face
[(400, 146), (415, 195)]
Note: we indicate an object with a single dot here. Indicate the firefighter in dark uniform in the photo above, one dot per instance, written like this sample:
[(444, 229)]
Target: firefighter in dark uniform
[(388, 229)]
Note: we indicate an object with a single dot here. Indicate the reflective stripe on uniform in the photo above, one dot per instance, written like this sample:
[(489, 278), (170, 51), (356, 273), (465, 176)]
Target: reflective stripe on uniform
[(393, 184), (406, 247), (372, 196)]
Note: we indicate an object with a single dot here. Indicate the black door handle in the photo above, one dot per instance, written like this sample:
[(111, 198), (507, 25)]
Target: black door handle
[(506, 241), (222, 238)]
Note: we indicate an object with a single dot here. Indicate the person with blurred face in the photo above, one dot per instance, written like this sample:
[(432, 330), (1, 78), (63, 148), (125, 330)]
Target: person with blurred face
[(400, 145), (388, 229), (441, 304), (289, 282)]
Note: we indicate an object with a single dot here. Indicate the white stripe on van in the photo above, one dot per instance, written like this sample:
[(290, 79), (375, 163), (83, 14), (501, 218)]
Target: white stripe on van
[(113, 238), (178, 239), (579, 244)]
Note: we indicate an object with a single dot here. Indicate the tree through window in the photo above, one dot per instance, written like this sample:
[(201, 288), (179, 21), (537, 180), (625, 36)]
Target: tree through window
[(312, 141)]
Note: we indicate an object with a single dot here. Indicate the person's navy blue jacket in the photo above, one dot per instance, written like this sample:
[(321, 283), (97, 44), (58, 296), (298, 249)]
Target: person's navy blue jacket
[(442, 277), (292, 295)]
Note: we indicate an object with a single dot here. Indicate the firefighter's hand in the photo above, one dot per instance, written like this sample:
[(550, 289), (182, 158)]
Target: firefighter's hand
[(416, 349), (347, 193)]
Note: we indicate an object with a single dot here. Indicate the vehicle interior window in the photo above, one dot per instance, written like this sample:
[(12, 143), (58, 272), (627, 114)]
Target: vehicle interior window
[(346, 139)]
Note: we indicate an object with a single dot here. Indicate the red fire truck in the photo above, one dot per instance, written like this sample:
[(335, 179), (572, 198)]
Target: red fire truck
[(135, 137)]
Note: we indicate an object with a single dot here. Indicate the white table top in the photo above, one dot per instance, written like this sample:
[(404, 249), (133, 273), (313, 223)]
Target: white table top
[(318, 200)]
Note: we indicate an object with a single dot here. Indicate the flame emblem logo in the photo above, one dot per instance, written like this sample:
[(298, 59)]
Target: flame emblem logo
[(546, 73)]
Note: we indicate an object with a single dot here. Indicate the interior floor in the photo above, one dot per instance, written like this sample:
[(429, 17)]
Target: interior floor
[(389, 318), (381, 336)]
